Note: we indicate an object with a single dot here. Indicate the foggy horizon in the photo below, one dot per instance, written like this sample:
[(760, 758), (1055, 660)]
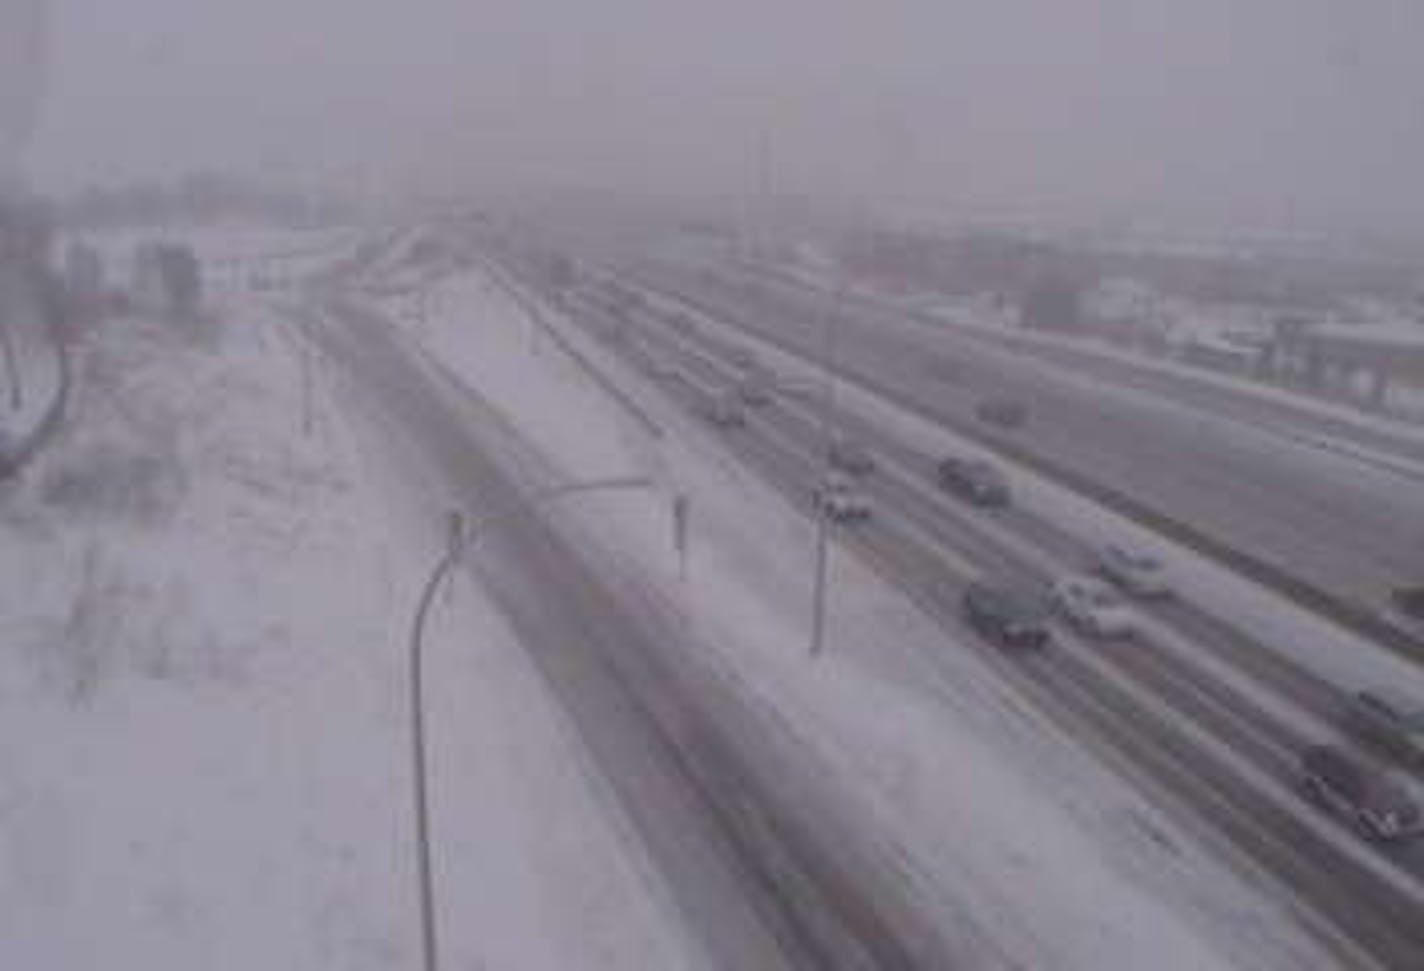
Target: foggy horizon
[(1263, 113)]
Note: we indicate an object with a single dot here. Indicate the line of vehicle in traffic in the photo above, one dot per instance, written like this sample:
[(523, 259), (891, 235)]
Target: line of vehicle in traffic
[(1096, 603)]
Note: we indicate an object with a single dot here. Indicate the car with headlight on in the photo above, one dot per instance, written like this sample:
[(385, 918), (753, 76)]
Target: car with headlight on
[(839, 499), (1372, 802), (1389, 719)]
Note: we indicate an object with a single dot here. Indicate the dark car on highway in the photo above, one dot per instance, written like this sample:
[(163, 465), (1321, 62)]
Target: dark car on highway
[(1007, 617), (1409, 602), (851, 456), (681, 323), (1004, 412), (725, 410), (975, 480), (1390, 720), (756, 386), (1374, 804), (742, 357)]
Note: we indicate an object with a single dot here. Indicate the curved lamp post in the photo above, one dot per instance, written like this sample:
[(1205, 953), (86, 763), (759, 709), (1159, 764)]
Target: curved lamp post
[(459, 536)]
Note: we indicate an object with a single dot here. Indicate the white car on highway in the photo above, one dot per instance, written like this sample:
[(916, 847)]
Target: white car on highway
[(1137, 574), (1092, 606)]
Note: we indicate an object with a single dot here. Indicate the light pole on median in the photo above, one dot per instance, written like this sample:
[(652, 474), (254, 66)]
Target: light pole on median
[(823, 540), (458, 538)]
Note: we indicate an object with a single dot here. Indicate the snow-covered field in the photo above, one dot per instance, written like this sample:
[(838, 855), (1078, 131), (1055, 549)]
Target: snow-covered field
[(204, 750), (1014, 835)]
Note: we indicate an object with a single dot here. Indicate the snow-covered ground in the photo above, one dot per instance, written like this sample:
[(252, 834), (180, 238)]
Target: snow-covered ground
[(204, 750), (1016, 837)]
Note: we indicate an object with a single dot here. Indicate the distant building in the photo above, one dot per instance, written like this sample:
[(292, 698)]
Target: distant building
[(1123, 300), (147, 292), (26, 232), (167, 281), (1052, 302), (1215, 341)]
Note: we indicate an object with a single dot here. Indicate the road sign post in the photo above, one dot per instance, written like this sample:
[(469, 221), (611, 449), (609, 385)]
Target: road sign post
[(681, 511)]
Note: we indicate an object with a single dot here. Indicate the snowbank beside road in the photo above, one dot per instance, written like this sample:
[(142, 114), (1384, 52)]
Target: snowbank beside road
[(177, 571)]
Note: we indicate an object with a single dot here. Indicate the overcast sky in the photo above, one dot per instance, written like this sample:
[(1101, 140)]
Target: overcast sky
[(1249, 109)]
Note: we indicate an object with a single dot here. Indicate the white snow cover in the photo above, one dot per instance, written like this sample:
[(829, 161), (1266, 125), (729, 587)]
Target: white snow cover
[(1008, 829), (204, 747)]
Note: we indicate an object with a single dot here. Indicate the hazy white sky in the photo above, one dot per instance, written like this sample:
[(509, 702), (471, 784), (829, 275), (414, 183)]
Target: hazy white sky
[(21, 33), (1258, 109)]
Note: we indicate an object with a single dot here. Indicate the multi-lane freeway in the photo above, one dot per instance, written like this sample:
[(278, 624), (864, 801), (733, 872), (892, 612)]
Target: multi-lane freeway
[(763, 857), (1191, 706), (1340, 529)]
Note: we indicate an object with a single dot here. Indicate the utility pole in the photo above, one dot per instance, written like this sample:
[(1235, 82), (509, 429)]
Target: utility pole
[(762, 244), (307, 363), (455, 545), (823, 525), (681, 515), (12, 364), (459, 536), (818, 605)]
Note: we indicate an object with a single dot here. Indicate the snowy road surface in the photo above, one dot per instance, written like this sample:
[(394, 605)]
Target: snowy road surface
[(1234, 707), (879, 773), (761, 863), (479, 336)]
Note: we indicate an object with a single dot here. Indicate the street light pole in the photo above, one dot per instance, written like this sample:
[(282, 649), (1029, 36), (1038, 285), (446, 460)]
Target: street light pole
[(823, 544), (456, 542), (454, 548), (305, 355)]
